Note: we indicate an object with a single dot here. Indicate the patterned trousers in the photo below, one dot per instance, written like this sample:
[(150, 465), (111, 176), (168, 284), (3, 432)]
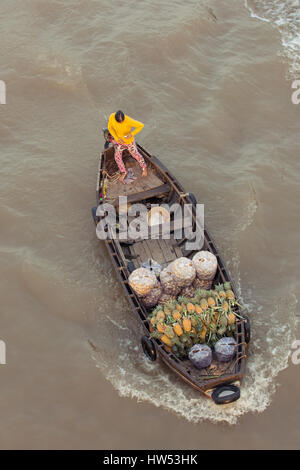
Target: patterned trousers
[(132, 149)]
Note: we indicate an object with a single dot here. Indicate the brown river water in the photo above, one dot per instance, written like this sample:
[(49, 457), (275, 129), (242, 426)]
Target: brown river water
[(212, 81)]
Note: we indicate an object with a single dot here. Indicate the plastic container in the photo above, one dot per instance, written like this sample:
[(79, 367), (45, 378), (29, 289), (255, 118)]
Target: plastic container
[(152, 265), (200, 355), (225, 349)]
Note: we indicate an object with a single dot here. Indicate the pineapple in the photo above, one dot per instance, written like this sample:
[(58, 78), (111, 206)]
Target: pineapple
[(223, 321), (220, 291), (229, 293), (190, 307), (221, 330), (176, 315), (166, 340), (198, 309), (201, 293), (183, 300), (167, 311), (170, 304), (202, 333), (177, 329), (160, 315), (231, 318), (169, 332), (187, 324), (161, 327)]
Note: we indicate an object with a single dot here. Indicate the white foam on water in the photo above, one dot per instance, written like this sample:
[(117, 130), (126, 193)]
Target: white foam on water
[(248, 216), (254, 15), (285, 16)]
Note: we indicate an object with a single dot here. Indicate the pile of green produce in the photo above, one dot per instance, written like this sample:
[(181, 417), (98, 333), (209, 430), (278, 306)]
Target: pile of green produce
[(204, 318)]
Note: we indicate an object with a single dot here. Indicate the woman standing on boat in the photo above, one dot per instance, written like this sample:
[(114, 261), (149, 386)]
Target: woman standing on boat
[(120, 125)]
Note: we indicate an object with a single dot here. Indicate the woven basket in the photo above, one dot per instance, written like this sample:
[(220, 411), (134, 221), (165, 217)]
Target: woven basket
[(165, 298), (206, 265), (168, 283), (142, 281), (202, 284), (151, 299), (188, 291), (183, 271)]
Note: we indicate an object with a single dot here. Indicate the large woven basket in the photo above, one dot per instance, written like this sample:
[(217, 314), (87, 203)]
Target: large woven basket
[(183, 271), (206, 265), (151, 299), (168, 282), (142, 281)]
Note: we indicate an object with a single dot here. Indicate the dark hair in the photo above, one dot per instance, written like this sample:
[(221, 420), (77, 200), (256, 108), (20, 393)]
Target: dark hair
[(119, 116)]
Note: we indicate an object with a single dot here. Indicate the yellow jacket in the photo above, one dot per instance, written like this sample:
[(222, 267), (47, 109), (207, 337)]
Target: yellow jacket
[(121, 129)]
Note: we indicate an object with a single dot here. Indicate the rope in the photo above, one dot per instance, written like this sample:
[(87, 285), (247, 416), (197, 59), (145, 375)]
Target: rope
[(114, 177), (239, 358)]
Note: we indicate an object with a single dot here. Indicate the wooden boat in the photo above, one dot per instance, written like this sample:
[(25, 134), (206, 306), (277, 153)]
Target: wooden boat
[(160, 186)]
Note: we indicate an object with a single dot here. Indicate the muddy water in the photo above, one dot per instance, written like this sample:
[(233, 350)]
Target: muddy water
[(212, 82)]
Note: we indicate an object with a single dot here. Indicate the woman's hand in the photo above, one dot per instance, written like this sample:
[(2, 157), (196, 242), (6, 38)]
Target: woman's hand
[(128, 136)]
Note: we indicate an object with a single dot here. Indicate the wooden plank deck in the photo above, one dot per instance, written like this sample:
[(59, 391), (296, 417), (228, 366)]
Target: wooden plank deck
[(159, 250), (140, 185)]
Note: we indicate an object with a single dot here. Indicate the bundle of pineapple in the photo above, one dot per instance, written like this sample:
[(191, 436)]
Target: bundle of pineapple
[(204, 318)]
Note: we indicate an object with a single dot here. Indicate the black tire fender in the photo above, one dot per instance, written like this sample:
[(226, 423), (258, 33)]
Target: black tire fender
[(95, 218), (225, 394), (247, 327), (149, 348)]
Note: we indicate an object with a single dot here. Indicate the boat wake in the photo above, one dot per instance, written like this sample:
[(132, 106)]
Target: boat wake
[(285, 16)]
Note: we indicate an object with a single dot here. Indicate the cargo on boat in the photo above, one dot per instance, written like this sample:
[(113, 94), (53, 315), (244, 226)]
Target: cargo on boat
[(221, 379)]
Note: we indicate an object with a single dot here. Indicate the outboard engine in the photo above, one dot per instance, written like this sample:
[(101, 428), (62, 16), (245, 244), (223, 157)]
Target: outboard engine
[(107, 137)]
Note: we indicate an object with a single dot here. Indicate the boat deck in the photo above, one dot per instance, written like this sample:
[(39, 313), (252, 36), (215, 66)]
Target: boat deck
[(162, 251), (148, 185)]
